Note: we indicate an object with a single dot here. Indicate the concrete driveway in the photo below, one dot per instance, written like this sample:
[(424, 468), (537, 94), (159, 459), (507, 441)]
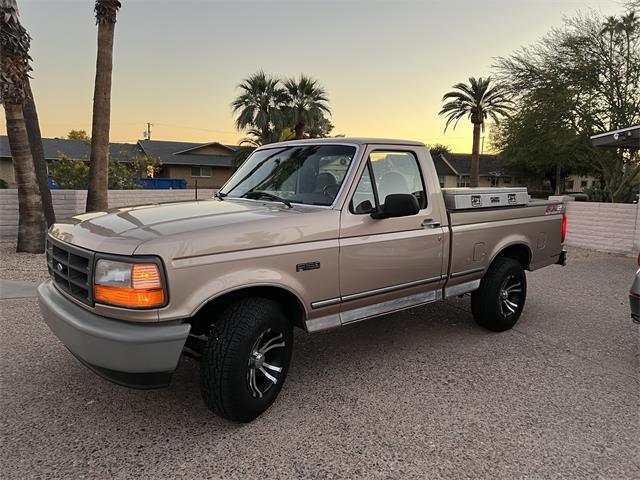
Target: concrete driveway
[(420, 394)]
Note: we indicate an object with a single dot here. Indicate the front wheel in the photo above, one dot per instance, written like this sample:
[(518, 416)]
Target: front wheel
[(246, 359), (498, 303)]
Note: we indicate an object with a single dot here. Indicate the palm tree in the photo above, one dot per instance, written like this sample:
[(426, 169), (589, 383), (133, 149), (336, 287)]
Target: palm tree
[(106, 12), (14, 64), (259, 106), (37, 153), (477, 100), (308, 103)]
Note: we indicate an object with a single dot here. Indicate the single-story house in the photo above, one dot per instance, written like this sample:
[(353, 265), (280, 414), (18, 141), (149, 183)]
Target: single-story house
[(207, 164), (454, 170)]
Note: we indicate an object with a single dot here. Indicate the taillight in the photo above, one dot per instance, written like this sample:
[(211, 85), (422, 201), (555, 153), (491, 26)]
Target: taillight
[(564, 230)]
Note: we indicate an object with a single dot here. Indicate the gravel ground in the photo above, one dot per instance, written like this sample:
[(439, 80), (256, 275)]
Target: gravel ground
[(419, 394), (21, 266)]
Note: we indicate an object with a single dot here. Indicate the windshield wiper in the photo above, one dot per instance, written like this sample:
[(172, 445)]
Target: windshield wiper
[(260, 193), (220, 195)]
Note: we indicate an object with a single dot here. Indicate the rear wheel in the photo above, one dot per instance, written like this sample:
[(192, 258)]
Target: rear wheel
[(246, 359), (498, 303)]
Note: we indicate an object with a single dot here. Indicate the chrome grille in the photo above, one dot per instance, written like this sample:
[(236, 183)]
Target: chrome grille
[(71, 269)]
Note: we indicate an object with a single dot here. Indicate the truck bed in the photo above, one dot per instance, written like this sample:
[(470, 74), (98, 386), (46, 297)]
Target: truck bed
[(477, 235)]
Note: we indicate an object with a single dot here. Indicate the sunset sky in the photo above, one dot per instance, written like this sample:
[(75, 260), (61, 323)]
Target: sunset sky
[(385, 65)]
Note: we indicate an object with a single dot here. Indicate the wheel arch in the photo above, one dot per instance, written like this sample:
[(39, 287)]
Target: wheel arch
[(209, 309), (519, 251)]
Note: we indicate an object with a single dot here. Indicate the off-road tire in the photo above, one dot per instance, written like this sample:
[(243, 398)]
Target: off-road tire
[(223, 367), (486, 302)]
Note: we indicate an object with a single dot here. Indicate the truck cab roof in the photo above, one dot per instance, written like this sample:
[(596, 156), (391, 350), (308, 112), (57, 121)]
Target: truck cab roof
[(348, 140)]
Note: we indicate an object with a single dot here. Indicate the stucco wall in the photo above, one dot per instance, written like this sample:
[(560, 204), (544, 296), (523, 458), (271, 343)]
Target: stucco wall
[(218, 178), (607, 227), (67, 203)]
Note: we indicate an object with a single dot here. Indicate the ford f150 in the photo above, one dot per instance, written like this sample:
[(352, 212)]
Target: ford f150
[(314, 234)]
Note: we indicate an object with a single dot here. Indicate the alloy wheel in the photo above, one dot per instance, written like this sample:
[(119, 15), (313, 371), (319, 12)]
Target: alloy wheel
[(510, 295), (265, 362)]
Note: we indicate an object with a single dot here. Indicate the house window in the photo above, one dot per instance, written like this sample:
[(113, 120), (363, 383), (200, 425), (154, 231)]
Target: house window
[(584, 183), (201, 171), (441, 180), (463, 181), (568, 185)]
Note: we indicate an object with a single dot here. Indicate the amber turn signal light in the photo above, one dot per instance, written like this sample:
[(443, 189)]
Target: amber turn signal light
[(135, 285), (130, 297)]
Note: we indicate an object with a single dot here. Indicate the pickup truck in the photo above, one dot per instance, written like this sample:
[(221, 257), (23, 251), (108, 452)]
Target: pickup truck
[(314, 234)]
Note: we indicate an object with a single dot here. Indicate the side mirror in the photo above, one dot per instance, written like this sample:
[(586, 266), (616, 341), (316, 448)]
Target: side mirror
[(398, 205)]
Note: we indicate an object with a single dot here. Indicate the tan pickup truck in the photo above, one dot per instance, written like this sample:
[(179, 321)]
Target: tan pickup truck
[(314, 234)]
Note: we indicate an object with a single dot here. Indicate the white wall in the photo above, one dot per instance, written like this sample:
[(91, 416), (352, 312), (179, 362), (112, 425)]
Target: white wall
[(607, 227), (67, 203)]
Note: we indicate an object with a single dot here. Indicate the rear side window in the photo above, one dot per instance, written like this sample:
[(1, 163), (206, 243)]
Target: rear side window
[(388, 172)]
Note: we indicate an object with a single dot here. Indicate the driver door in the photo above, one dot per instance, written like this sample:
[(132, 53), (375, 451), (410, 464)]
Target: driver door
[(391, 263)]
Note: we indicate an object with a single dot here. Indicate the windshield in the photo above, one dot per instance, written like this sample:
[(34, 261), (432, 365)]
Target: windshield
[(308, 174)]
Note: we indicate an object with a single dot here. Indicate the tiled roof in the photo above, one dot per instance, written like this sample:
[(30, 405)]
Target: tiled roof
[(166, 152), (76, 149), (442, 167)]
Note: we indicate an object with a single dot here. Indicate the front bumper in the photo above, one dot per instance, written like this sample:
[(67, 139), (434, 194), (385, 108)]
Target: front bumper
[(130, 354)]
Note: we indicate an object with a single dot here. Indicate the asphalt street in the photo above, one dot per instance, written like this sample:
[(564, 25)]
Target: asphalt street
[(419, 394)]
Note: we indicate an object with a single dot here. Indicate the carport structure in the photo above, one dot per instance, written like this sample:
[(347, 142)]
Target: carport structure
[(623, 138)]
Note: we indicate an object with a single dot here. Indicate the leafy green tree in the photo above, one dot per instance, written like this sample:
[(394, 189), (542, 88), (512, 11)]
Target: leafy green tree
[(307, 104), (69, 174), (73, 174), (321, 128), (438, 149), (259, 107), (579, 80), (536, 140), (79, 135), (478, 101)]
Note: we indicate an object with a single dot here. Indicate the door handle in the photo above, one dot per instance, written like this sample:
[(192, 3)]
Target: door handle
[(430, 223)]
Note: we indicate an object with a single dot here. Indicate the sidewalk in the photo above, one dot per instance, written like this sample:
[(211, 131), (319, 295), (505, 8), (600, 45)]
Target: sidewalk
[(16, 289)]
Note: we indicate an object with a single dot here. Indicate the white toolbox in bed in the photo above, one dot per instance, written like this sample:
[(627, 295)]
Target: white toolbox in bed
[(481, 197)]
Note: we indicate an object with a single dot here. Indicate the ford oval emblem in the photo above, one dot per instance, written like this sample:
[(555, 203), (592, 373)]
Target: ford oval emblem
[(60, 267)]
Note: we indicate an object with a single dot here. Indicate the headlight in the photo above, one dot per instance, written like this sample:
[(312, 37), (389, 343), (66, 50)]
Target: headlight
[(137, 285)]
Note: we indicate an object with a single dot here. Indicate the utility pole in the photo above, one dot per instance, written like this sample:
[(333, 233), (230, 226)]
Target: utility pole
[(148, 132)]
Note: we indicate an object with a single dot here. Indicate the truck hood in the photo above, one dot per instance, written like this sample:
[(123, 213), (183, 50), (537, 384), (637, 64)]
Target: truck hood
[(195, 227)]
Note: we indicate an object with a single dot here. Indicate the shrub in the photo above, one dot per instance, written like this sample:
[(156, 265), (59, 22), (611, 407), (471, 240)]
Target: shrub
[(73, 174), (70, 174)]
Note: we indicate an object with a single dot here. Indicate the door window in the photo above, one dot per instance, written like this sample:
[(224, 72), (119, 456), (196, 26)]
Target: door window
[(392, 172)]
